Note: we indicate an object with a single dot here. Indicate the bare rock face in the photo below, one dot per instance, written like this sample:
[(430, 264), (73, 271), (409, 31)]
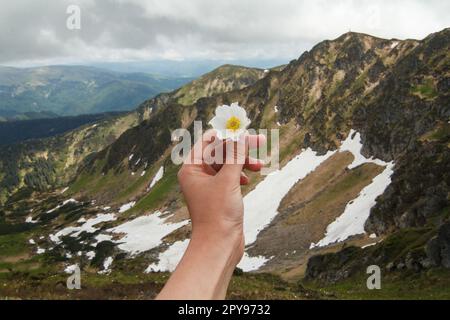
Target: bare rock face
[(438, 248), (430, 249), (419, 190)]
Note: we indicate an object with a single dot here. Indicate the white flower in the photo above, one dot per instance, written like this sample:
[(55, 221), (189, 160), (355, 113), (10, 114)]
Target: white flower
[(230, 122)]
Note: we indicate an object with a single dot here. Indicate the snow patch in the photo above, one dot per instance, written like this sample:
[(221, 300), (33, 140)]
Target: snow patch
[(169, 259), (353, 144), (90, 255), (62, 205), (71, 268), (145, 232), (127, 206), (88, 227), (369, 245), (29, 219), (40, 250), (248, 263), (31, 241), (102, 237), (106, 265), (159, 175)]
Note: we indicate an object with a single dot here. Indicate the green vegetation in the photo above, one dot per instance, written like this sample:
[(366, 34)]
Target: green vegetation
[(441, 133), (137, 185), (400, 243), (222, 79), (266, 286), (126, 285), (360, 82), (158, 194), (433, 284), (12, 244), (425, 90)]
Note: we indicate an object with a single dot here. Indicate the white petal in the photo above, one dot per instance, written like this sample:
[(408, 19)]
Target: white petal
[(238, 111), (245, 123), (218, 122), (223, 111)]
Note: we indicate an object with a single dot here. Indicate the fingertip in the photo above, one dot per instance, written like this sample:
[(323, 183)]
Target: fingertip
[(244, 180), (253, 164)]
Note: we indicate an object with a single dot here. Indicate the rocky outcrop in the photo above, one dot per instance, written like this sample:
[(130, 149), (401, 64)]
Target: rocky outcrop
[(415, 250), (419, 190), (438, 248)]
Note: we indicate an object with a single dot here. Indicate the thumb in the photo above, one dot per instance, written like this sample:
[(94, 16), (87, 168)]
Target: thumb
[(235, 155)]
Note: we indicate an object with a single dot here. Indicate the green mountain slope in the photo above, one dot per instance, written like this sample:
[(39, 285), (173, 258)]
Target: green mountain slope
[(223, 79), (74, 90)]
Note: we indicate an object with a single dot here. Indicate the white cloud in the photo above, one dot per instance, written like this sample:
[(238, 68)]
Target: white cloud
[(118, 30)]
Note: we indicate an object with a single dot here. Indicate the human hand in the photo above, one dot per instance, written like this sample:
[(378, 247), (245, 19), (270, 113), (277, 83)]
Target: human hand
[(212, 189)]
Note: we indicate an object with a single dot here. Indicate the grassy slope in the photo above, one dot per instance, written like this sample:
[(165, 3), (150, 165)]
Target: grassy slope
[(430, 285), (222, 79)]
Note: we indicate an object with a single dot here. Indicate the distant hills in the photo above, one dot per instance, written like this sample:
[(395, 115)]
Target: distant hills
[(186, 68), (51, 91)]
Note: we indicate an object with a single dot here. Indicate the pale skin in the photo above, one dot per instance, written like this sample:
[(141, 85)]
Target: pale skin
[(214, 200)]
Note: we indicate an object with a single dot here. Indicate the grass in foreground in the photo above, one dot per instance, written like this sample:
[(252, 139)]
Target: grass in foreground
[(431, 285), (118, 285)]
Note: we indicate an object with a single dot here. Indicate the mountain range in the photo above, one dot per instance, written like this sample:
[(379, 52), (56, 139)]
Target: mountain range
[(364, 180), (29, 93)]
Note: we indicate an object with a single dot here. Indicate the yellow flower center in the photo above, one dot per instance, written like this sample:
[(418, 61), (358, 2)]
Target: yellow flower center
[(233, 124)]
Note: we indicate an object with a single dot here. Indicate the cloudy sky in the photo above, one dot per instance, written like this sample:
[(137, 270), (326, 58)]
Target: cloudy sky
[(35, 32)]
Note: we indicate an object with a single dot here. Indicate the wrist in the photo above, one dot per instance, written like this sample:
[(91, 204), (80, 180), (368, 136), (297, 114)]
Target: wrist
[(226, 242), (207, 266)]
